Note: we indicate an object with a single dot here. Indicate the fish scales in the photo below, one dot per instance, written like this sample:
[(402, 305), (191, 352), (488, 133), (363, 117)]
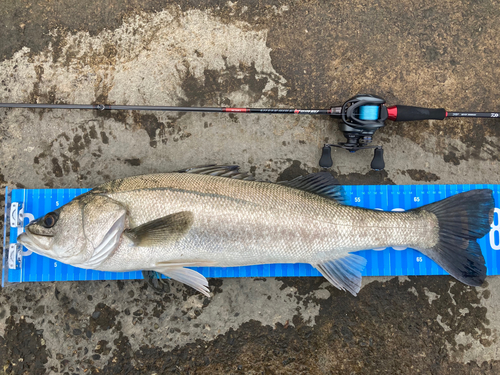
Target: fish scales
[(246, 222)]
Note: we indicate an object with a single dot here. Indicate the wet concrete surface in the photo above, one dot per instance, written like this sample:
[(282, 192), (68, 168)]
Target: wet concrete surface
[(257, 54)]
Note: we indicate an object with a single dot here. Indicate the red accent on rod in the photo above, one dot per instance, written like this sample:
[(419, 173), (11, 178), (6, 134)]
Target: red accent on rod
[(392, 113), (446, 114), (236, 110), (296, 111)]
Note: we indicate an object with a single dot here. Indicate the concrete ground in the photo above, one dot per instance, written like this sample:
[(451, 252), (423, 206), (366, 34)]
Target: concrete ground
[(247, 53)]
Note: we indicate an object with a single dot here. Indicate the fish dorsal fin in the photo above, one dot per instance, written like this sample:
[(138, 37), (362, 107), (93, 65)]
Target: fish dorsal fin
[(321, 183), (229, 171), (161, 231), (186, 276), (344, 273)]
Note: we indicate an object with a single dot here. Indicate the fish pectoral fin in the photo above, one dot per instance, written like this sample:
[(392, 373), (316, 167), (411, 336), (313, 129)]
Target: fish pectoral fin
[(161, 231), (344, 273), (187, 276)]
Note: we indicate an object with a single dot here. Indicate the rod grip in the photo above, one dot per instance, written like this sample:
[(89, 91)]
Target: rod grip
[(407, 113)]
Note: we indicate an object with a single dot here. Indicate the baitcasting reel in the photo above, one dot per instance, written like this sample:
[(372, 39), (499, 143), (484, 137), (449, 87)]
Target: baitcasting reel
[(361, 116)]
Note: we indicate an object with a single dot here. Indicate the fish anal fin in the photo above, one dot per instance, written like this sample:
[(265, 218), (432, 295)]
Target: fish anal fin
[(344, 273), (161, 231), (187, 276)]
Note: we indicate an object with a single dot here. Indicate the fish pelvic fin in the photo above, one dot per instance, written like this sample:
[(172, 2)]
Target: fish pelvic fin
[(186, 276), (344, 273), (462, 219), (171, 270), (321, 183), (161, 231)]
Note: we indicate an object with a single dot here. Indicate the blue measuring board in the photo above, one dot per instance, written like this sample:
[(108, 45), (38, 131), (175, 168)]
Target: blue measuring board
[(381, 262)]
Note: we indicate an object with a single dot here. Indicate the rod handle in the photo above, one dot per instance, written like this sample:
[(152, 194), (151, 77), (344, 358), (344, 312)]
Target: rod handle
[(407, 113)]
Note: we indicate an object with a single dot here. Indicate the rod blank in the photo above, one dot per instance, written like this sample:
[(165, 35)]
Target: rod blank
[(102, 107)]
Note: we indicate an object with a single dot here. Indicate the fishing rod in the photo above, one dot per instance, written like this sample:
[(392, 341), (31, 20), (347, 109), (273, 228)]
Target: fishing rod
[(361, 116)]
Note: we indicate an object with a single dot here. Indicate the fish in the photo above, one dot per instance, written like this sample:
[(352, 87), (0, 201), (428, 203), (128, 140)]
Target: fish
[(217, 216)]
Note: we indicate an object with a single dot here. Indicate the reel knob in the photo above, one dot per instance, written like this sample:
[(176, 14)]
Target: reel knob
[(378, 159), (326, 157)]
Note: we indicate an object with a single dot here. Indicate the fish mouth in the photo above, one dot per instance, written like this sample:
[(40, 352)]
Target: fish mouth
[(28, 240)]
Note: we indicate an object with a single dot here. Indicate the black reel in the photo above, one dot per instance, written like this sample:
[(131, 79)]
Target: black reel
[(361, 115)]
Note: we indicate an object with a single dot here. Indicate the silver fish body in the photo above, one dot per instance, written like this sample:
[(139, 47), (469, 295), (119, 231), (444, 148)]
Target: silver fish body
[(246, 222), (167, 222)]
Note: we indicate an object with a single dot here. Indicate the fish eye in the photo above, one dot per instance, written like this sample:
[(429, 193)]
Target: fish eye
[(49, 220)]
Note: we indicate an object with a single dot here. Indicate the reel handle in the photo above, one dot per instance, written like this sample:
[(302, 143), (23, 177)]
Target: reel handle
[(326, 157), (378, 159)]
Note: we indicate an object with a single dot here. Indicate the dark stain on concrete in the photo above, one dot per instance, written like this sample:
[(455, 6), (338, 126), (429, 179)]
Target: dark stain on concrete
[(56, 168), (21, 348), (420, 175), (65, 154), (219, 83), (234, 118), (103, 317), (370, 178), (293, 171), (156, 129), (104, 138), (75, 166), (451, 157), (35, 92), (133, 162), (77, 146), (92, 132)]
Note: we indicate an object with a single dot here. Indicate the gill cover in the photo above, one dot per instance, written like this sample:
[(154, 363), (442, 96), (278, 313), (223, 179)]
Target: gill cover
[(103, 221)]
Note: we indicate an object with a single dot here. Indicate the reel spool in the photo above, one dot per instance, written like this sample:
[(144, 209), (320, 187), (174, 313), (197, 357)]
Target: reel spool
[(361, 116)]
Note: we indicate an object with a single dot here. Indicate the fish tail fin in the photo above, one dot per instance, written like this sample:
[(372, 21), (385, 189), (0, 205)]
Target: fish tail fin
[(462, 219)]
